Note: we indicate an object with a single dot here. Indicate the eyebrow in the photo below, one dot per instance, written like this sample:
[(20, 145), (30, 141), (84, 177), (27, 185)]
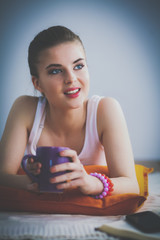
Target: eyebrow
[(59, 65)]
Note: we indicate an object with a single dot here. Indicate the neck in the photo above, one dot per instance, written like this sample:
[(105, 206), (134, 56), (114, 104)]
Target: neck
[(65, 122)]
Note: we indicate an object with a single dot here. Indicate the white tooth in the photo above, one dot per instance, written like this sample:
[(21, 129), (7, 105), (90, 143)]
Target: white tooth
[(72, 92)]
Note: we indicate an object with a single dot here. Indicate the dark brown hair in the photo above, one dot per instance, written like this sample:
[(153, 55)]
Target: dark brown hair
[(46, 39)]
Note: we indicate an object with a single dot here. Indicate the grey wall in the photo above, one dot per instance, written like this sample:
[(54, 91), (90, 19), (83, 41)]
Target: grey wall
[(121, 38)]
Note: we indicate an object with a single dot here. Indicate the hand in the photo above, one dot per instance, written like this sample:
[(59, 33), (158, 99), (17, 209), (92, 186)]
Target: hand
[(33, 187), (33, 167), (77, 177)]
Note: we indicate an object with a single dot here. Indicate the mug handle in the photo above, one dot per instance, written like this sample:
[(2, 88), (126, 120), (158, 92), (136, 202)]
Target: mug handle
[(24, 166)]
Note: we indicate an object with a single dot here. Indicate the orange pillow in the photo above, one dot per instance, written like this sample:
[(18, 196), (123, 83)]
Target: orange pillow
[(73, 201)]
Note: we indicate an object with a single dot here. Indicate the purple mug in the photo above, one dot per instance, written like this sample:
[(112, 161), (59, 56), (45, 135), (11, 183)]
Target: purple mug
[(48, 157)]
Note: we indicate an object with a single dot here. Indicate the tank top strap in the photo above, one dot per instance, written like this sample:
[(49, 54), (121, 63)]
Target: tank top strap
[(38, 125)]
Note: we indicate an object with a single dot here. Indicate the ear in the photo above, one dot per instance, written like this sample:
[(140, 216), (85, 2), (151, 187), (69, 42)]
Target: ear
[(36, 83)]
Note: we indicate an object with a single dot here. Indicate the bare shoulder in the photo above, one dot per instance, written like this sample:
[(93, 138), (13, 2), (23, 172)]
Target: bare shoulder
[(24, 109), (109, 106), (109, 114), (26, 101)]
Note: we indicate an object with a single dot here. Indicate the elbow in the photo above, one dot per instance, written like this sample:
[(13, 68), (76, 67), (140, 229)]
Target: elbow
[(136, 188), (133, 186)]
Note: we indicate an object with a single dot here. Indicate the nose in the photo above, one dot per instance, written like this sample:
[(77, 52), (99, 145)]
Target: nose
[(69, 77)]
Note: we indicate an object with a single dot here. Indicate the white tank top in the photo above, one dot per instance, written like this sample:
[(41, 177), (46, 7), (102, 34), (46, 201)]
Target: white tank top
[(92, 152)]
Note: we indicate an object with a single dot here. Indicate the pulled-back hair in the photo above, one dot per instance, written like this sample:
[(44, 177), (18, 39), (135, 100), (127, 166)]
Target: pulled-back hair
[(46, 39)]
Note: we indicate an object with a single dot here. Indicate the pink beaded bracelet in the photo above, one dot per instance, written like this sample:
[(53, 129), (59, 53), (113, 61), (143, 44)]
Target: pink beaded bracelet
[(107, 185)]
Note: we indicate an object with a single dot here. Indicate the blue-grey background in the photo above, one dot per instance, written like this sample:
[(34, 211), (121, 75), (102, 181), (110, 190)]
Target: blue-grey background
[(122, 42)]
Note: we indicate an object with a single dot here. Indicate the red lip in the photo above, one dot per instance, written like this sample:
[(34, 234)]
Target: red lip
[(70, 92)]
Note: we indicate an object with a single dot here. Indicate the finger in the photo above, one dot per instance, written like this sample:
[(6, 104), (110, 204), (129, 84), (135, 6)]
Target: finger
[(32, 187), (34, 166), (38, 165), (35, 172), (70, 184), (69, 166), (65, 177), (30, 160), (62, 167), (70, 153)]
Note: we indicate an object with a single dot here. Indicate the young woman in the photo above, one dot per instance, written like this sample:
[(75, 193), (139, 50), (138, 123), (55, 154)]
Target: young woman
[(94, 129)]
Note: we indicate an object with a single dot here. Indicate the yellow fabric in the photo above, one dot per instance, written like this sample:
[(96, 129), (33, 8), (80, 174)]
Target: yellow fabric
[(142, 178)]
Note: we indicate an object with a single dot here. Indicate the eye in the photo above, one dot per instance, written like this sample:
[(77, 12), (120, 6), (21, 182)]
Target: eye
[(79, 66), (54, 71)]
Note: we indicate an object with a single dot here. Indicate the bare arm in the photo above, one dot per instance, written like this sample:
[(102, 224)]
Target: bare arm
[(14, 141), (114, 136)]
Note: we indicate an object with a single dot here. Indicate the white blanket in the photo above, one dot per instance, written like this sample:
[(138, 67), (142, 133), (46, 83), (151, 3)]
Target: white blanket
[(62, 227)]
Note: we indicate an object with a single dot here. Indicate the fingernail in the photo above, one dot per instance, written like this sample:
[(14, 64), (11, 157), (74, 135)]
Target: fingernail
[(62, 153), (51, 180), (52, 169)]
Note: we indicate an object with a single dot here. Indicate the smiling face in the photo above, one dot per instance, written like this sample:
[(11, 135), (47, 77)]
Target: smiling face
[(63, 75)]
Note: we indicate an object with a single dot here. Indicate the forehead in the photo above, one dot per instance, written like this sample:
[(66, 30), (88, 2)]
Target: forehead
[(61, 53)]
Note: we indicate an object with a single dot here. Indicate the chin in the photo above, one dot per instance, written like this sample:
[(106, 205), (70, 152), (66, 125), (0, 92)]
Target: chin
[(78, 103)]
